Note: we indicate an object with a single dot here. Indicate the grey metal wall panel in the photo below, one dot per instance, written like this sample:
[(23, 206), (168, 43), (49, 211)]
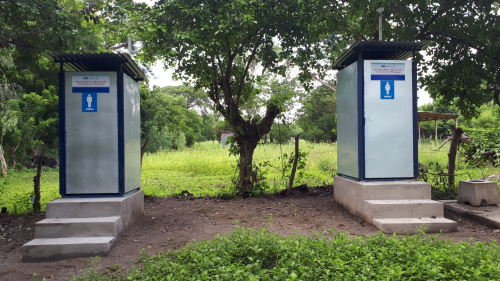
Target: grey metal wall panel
[(132, 133), (388, 124), (347, 121), (91, 140)]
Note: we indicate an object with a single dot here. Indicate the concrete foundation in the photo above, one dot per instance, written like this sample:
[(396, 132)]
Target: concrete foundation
[(401, 206), (82, 227), (478, 193)]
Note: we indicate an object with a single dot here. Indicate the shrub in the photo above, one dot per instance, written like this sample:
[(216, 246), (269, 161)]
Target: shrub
[(326, 164), (485, 148), (261, 255)]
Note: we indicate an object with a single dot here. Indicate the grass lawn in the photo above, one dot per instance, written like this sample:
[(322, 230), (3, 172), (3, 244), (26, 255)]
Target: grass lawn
[(207, 169)]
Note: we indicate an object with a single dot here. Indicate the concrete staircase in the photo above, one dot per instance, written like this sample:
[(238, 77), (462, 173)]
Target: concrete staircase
[(82, 227), (402, 206)]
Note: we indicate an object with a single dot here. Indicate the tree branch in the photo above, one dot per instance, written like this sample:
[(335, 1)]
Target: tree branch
[(242, 81), (463, 41), (245, 41), (324, 83), (123, 45), (441, 11)]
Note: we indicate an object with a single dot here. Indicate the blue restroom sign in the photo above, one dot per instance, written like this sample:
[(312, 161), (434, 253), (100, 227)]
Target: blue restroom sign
[(89, 102), (387, 89)]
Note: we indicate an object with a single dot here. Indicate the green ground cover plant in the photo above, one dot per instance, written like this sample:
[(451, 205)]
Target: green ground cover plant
[(261, 255)]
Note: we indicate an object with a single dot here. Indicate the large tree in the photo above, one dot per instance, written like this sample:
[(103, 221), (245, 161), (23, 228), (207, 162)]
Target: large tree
[(213, 43), (27, 29), (465, 57)]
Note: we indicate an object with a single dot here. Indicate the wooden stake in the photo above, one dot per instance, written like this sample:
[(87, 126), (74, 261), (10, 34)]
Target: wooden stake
[(36, 205), (294, 168), (436, 129)]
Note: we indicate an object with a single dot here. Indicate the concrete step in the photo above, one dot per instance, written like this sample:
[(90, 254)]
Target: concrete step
[(78, 227), (85, 207), (404, 209), (52, 249), (410, 225), (394, 190)]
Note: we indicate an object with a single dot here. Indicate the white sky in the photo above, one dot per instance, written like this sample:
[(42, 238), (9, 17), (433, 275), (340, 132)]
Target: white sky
[(164, 78)]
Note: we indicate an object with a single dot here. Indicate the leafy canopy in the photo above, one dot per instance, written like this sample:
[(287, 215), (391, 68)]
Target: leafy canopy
[(213, 43), (465, 58)]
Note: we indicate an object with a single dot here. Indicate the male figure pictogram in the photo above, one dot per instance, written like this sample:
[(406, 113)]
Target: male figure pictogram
[(89, 100)]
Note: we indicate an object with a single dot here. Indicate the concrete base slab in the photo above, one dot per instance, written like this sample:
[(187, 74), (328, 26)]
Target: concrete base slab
[(82, 227), (379, 203), (489, 215), (478, 193)]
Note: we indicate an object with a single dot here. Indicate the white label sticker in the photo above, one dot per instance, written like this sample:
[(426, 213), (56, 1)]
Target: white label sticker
[(90, 81), (387, 71)]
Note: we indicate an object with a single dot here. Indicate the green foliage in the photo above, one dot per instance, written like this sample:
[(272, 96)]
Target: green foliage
[(488, 117), (326, 164), (216, 45), (485, 148), (462, 67), (15, 190), (167, 121), (281, 132), (193, 98), (28, 123), (437, 176), (261, 255), (207, 169), (318, 115)]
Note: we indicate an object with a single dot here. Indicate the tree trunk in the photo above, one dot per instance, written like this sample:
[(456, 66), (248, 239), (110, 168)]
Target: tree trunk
[(294, 168), (143, 148), (2, 160), (247, 177), (12, 155), (456, 133), (36, 205)]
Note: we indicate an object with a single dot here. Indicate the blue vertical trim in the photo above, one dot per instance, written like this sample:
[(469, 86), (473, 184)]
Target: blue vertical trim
[(415, 116), (62, 132), (121, 127), (361, 118)]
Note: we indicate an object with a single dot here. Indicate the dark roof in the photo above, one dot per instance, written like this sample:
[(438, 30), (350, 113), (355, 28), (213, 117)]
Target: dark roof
[(379, 50), (427, 116), (98, 62)]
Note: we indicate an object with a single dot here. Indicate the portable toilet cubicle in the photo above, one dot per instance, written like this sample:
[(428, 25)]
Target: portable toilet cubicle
[(377, 128), (99, 133), (100, 158), (377, 110)]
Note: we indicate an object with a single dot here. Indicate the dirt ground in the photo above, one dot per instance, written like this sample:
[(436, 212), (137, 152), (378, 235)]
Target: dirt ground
[(169, 223)]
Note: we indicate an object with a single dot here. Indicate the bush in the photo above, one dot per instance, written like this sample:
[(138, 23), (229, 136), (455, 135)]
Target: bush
[(261, 255), (326, 164), (485, 148)]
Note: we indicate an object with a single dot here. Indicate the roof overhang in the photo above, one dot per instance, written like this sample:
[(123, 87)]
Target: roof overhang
[(379, 50), (98, 62), (428, 116)]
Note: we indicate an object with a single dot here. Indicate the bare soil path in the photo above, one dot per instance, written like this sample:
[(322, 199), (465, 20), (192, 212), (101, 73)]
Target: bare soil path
[(169, 223)]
